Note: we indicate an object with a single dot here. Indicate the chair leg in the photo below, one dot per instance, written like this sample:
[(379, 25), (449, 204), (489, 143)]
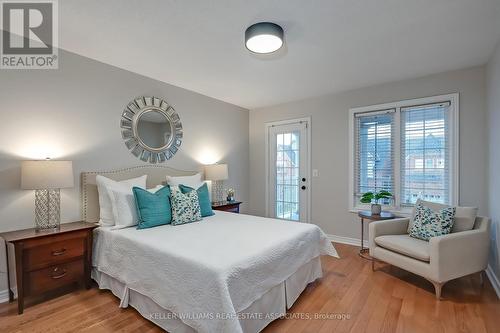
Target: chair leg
[(437, 287), (373, 265), (481, 278)]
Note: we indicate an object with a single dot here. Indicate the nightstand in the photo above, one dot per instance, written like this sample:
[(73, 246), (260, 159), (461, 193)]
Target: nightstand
[(367, 215), (47, 260), (227, 206)]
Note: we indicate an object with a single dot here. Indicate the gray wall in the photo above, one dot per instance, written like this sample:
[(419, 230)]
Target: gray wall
[(493, 84), (74, 113), (330, 142)]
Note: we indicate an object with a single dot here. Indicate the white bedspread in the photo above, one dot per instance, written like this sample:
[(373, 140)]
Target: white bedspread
[(205, 272)]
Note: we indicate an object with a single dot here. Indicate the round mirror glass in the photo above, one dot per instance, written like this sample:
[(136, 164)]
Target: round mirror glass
[(154, 129), (151, 128)]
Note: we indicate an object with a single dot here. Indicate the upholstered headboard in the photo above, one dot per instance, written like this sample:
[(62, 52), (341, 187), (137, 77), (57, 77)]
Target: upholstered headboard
[(90, 198)]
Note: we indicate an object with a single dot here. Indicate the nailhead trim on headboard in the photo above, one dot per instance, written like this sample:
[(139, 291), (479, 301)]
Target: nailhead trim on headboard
[(84, 180)]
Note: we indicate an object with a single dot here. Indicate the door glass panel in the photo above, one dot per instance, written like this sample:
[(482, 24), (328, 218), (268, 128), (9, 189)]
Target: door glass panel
[(295, 140), (287, 176)]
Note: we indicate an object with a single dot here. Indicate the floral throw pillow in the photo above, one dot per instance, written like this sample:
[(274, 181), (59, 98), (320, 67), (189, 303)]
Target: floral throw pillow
[(185, 207), (428, 223)]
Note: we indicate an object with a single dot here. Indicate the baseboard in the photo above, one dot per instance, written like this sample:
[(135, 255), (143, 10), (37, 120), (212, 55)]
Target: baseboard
[(495, 282), (4, 295), (347, 240)]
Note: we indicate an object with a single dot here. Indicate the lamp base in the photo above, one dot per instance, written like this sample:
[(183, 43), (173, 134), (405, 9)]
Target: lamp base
[(47, 209), (217, 189)]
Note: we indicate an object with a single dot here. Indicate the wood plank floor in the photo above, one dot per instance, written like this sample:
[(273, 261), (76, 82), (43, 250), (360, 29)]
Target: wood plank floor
[(349, 298)]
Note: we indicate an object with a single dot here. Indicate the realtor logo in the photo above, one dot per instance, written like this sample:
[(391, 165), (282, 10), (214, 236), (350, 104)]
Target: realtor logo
[(29, 35)]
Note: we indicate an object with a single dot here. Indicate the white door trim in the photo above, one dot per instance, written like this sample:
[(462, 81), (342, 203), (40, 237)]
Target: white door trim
[(308, 159)]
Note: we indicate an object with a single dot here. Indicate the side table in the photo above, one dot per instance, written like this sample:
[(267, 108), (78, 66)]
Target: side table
[(367, 215)]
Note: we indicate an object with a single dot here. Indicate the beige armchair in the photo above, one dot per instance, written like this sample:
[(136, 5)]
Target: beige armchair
[(442, 259)]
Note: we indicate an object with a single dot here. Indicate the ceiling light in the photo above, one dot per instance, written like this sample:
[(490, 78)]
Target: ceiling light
[(264, 37)]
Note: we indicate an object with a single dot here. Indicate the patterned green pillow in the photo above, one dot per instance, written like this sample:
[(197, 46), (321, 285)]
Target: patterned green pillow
[(428, 223), (203, 198), (185, 207)]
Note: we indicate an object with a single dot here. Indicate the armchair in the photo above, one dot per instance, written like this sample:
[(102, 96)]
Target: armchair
[(440, 260)]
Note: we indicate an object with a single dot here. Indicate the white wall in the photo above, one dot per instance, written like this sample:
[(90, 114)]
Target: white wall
[(74, 113), (493, 84), (330, 142)]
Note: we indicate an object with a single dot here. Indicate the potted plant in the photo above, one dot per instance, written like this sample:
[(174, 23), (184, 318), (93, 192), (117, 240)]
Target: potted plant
[(230, 194), (373, 198)]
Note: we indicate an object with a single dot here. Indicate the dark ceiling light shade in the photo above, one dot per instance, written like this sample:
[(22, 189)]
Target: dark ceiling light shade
[(264, 37)]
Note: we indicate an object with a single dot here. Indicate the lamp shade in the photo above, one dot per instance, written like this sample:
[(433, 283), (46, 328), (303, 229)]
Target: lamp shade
[(37, 175), (216, 172)]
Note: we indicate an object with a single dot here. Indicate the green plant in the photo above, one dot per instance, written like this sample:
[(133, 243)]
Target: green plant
[(369, 197)]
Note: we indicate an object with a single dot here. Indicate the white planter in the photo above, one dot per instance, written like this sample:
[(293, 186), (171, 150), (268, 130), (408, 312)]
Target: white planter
[(376, 209)]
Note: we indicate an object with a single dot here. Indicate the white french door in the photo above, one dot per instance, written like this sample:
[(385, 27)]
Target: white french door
[(288, 170)]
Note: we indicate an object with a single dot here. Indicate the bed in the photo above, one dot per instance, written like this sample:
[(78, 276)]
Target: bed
[(227, 273)]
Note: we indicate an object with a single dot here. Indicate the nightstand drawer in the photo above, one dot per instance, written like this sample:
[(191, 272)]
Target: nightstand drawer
[(54, 277), (227, 206), (232, 209), (48, 254)]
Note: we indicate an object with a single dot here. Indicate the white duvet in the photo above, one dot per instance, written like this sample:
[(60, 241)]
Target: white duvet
[(205, 272)]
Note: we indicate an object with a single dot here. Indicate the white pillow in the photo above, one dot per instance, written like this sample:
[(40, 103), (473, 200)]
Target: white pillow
[(124, 207), (106, 209), (156, 188), (194, 181), (464, 216)]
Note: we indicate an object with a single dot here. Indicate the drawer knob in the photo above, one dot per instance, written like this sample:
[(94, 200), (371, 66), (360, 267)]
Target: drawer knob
[(57, 274), (58, 252)]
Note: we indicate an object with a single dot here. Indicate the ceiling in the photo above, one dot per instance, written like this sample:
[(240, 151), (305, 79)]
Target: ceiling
[(331, 45)]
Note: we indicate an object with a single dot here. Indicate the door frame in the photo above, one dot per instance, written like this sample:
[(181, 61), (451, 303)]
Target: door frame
[(268, 125)]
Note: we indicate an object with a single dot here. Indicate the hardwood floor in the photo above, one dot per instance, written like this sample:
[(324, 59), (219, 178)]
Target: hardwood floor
[(350, 298)]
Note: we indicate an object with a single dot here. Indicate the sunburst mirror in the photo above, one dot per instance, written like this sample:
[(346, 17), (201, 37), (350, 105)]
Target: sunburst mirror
[(151, 128)]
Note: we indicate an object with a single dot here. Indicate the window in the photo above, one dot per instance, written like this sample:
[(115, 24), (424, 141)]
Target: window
[(374, 152), (424, 137), (408, 148)]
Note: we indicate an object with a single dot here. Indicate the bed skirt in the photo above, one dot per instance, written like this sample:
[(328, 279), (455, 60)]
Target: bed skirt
[(272, 305)]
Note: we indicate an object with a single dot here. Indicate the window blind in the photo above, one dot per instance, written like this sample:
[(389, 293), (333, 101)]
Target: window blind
[(374, 152), (425, 165)]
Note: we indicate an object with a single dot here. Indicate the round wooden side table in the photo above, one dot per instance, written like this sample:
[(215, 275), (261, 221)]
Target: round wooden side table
[(367, 215)]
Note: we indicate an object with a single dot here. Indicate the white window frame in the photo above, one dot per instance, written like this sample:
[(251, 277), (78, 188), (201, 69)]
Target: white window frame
[(454, 148)]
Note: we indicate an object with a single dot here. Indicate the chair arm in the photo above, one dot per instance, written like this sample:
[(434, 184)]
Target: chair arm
[(459, 254), (397, 226)]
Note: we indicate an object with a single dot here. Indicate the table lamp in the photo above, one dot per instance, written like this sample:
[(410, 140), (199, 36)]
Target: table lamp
[(47, 177), (217, 173)]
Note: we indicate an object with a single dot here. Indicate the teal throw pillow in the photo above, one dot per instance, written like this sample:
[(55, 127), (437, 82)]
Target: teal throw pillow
[(203, 198), (428, 223), (153, 209), (185, 207)]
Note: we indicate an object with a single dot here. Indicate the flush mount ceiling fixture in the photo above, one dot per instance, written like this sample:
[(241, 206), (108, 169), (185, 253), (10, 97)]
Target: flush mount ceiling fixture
[(264, 37)]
